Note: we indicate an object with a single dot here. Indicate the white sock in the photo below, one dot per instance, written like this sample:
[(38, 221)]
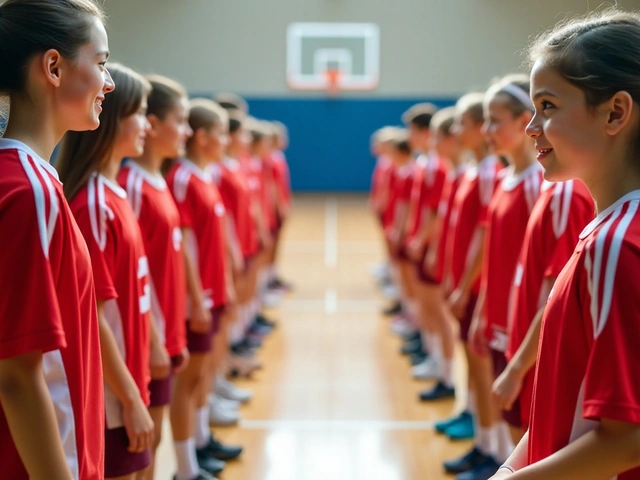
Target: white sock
[(471, 402), (271, 273), (484, 439), (446, 372), (504, 444), (202, 432), (434, 347), (186, 459)]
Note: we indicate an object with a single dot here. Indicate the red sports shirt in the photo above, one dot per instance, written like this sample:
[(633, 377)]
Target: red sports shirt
[(121, 274), (428, 178), (380, 183), (202, 213), (469, 210), (588, 360), (452, 182), (48, 304), (236, 195), (159, 222), (400, 193), (282, 177), (507, 218)]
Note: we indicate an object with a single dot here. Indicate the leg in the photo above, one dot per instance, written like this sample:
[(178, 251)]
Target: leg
[(157, 415)]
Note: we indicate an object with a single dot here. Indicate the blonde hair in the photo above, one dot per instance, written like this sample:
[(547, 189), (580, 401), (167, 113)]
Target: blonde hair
[(472, 104), (443, 120)]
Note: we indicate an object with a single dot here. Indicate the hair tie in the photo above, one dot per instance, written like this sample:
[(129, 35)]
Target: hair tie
[(519, 95)]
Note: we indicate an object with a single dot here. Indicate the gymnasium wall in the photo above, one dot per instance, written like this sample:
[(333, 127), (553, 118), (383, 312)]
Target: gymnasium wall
[(430, 50)]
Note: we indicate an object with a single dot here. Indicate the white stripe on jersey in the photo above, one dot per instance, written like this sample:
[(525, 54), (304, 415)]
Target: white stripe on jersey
[(486, 182), (156, 313), (55, 377), (46, 226), (134, 191), (532, 186), (181, 183), (98, 211), (561, 207)]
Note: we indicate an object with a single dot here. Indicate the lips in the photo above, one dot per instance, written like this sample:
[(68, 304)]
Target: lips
[(543, 153)]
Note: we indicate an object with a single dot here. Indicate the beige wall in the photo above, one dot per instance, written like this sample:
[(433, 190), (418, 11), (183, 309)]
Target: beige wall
[(428, 47)]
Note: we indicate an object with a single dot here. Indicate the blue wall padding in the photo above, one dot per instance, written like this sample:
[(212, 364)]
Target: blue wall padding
[(330, 137)]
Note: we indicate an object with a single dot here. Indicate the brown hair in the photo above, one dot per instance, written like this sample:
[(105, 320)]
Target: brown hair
[(205, 113), (164, 96), (83, 153), (514, 103), (442, 121), (231, 101), (257, 129), (420, 115), (472, 104), (31, 26), (400, 141), (235, 121)]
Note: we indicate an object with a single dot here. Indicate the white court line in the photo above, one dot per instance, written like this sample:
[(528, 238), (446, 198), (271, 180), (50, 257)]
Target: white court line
[(354, 425), (331, 232), (330, 301)]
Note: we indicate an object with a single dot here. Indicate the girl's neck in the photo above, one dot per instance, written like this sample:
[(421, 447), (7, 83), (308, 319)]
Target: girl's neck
[(111, 168), (480, 153), (34, 126), (150, 160), (522, 157), (234, 152), (199, 159), (610, 186)]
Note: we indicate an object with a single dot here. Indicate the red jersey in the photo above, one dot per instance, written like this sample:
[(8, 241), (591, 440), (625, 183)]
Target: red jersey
[(451, 184), (202, 213), (282, 177), (159, 222), (588, 355), (121, 274), (236, 195), (380, 182), (468, 211), (428, 178), (400, 193), (49, 304), (507, 218)]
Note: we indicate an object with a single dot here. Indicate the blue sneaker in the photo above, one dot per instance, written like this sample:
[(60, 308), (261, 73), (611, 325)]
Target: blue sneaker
[(482, 471), (463, 430), (439, 392), (443, 425), (466, 462)]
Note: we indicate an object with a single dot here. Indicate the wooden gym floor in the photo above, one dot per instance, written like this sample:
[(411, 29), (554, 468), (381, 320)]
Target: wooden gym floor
[(335, 399)]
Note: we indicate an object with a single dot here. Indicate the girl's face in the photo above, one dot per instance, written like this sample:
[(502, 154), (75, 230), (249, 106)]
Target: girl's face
[(170, 135), (240, 139), (570, 137), (83, 83), (419, 138), (504, 131), (446, 144), (133, 132), (469, 132), (217, 141), (261, 148)]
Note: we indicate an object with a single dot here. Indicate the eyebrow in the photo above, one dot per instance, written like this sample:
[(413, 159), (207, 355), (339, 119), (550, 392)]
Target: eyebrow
[(103, 52), (543, 93)]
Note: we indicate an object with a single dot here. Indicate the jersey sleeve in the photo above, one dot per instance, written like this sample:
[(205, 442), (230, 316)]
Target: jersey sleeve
[(435, 193), (30, 317), (101, 244), (570, 213), (611, 388), (487, 183)]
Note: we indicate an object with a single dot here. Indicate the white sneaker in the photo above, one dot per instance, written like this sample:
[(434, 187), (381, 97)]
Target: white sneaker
[(272, 298), (245, 366), (403, 327), (379, 271), (226, 389), (225, 402), (390, 292), (427, 370), (222, 417)]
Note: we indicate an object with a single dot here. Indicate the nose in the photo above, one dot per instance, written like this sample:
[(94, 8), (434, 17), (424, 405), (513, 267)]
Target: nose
[(534, 128), (109, 84)]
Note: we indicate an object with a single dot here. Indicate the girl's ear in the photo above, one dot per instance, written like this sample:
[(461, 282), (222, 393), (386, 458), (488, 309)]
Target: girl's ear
[(154, 123), (617, 112)]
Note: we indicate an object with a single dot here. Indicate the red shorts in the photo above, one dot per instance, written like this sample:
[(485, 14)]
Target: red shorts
[(514, 416), (202, 342), (118, 461), (160, 390)]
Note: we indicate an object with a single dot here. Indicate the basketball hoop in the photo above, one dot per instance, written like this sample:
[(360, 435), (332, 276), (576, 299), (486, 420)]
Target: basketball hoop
[(332, 81)]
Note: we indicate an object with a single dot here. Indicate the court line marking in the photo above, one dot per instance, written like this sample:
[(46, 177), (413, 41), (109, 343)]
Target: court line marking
[(353, 425), (331, 232), (330, 301)]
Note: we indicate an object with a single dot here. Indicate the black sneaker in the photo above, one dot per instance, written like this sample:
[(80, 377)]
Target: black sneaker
[(209, 464), (418, 358), (202, 475), (482, 471), (412, 336), (466, 462), (439, 392), (414, 346), (216, 449), (262, 320), (395, 309)]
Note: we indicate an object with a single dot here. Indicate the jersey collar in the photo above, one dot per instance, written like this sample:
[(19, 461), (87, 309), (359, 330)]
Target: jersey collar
[(603, 215), (203, 175), (156, 181), (114, 187), (10, 143)]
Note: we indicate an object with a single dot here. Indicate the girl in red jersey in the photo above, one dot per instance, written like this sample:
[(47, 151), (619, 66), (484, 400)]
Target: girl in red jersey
[(509, 109), (202, 215), (584, 417), (159, 222), (469, 213), (51, 400), (89, 163)]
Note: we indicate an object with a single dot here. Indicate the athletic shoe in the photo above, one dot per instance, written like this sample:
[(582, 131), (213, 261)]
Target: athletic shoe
[(463, 430), (226, 389), (219, 451), (272, 298), (243, 365), (380, 270), (262, 320), (401, 327), (466, 462), (202, 475), (427, 370), (482, 471), (210, 465), (390, 292), (439, 392), (412, 336), (279, 284), (224, 402), (395, 309), (409, 348), (443, 425), (221, 416), (418, 358)]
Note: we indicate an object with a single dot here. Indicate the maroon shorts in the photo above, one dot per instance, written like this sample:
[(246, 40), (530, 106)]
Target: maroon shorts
[(118, 461), (465, 322), (202, 342), (514, 416)]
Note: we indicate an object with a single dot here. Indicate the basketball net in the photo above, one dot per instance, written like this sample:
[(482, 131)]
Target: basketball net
[(332, 85)]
